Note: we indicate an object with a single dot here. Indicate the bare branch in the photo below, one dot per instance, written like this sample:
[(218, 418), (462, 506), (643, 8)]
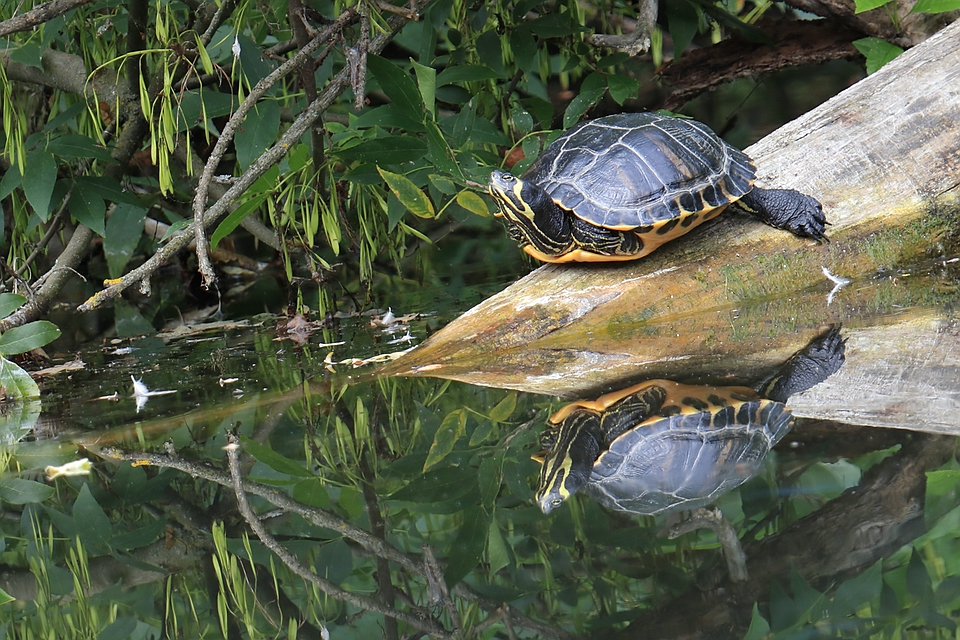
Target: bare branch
[(230, 129), (39, 15), (636, 42)]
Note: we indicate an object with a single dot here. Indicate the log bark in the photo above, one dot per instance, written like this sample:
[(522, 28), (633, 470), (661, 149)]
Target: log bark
[(731, 301)]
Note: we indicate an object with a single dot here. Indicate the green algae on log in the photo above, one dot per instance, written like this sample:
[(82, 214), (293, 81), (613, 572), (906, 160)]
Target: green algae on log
[(884, 159)]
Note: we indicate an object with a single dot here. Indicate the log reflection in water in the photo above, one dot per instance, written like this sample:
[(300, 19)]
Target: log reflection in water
[(838, 541)]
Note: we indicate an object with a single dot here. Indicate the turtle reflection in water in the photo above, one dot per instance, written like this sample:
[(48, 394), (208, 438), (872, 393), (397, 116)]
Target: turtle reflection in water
[(661, 445)]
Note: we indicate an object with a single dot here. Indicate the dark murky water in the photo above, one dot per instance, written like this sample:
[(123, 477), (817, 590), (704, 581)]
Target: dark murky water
[(845, 530)]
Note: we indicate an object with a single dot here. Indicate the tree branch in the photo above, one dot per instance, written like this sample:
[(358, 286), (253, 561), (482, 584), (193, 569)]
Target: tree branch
[(39, 15)]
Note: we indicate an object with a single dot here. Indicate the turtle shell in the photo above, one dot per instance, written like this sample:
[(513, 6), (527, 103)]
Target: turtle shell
[(703, 442), (642, 170)]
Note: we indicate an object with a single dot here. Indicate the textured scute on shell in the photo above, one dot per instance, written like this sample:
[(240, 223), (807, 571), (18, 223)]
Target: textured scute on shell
[(635, 169), (687, 460)]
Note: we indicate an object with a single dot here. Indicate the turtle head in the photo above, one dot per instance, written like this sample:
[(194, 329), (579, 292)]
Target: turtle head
[(531, 214), (568, 463)]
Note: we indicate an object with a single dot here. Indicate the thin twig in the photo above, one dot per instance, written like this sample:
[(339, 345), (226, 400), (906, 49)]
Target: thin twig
[(229, 131), (420, 620)]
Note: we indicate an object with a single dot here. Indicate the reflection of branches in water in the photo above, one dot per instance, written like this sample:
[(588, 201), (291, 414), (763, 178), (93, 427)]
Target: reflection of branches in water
[(419, 619), (328, 520), (833, 544)]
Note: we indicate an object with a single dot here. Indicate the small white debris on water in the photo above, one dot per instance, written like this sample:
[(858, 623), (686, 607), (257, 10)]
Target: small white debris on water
[(838, 281), (139, 389), (141, 393)]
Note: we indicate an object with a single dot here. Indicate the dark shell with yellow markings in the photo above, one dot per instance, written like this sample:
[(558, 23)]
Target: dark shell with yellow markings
[(636, 170), (702, 442)]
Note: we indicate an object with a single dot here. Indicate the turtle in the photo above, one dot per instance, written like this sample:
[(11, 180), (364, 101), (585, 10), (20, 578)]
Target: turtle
[(617, 187), (661, 445)]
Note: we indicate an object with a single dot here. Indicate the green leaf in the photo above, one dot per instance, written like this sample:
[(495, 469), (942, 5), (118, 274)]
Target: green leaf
[(108, 188), (274, 460), (16, 382), (11, 180), (439, 152), (919, 583), (233, 220), (427, 83), (889, 601), (438, 485), (473, 203), (93, 525), (19, 491), (119, 629), (5, 597), (129, 321), (465, 73), (935, 6), (622, 88), (683, 19), (942, 493), (504, 408), (591, 92), (176, 228), (32, 335), (451, 429), (398, 85), (498, 556), (948, 591), (10, 302), (467, 549), (258, 133), (877, 52), (124, 229), (386, 115), (39, 179), (28, 54), (77, 146), (490, 478), (867, 5), (139, 537), (88, 207), (759, 627), (524, 47), (856, 591), (461, 125), (18, 419), (407, 193), (387, 150), (311, 492), (555, 25)]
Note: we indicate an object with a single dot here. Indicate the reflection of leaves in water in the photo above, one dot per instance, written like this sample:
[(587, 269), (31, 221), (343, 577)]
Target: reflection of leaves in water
[(359, 452)]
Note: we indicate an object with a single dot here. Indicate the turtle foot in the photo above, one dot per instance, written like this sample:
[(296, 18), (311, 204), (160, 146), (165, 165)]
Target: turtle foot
[(789, 210)]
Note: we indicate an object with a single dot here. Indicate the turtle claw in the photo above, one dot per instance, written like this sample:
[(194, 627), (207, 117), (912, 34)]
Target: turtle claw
[(789, 210)]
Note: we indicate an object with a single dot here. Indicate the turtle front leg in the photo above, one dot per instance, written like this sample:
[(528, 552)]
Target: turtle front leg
[(787, 209)]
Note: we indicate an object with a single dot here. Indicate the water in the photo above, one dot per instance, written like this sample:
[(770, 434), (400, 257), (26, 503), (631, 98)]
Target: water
[(845, 530)]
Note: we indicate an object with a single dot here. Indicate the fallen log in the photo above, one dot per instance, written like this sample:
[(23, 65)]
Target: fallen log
[(729, 301)]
